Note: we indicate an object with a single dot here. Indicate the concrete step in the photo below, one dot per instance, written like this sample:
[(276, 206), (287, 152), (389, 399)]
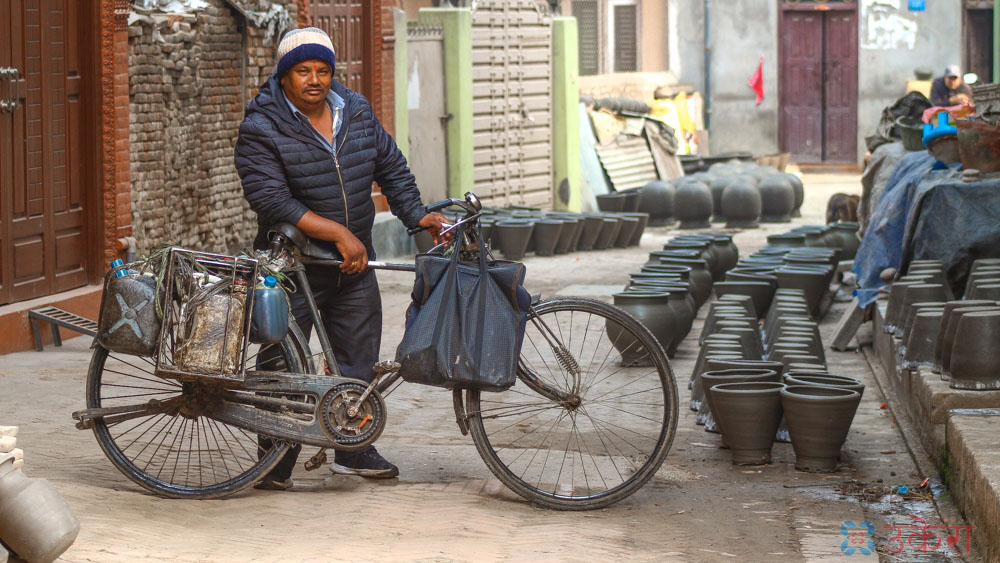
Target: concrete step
[(974, 474)]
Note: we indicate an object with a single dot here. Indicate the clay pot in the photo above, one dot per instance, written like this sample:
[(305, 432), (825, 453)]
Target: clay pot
[(916, 293), (628, 227), (761, 292), (896, 294), (744, 301), (616, 201), (813, 345), (35, 521), (592, 225), (786, 240), (700, 276), (749, 415), (741, 204), (725, 248), (922, 337), (546, 235), (514, 237), (985, 291), (798, 190), (847, 235), (640, 228), (975, 356), (657, 199), (819, 419), (951, 330), (749, 340), (693, 205), (652, 310), (825, 379), (567, 234), (912, 313), (709, 378), (717, 187), (608, 234), (950, 307), (777, 198)]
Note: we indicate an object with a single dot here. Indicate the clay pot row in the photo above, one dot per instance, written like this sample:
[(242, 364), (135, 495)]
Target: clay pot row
[(516, 232), (819, 410), (841, 235), (741, 194)]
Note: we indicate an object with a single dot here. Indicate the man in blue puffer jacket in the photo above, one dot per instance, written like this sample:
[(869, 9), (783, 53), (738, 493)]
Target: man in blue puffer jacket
[(307, 154)]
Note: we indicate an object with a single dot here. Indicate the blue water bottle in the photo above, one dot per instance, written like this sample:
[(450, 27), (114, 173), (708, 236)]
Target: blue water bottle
[(269, 320)]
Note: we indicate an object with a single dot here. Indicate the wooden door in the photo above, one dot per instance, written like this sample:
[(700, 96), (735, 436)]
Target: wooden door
[(840, 86), (818, 89), (801, 90), (42, 219), (344, 21), (979, 43)]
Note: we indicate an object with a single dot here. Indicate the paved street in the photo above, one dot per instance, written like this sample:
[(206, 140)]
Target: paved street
[(445, 506)]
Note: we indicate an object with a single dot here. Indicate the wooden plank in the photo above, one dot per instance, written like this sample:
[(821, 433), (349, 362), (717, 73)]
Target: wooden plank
[(847, 326)]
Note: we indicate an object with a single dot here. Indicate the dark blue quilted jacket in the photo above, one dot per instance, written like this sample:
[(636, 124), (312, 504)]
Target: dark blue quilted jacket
[(286, 171)]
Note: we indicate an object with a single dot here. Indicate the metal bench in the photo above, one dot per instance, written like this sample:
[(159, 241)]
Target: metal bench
[(58, 318)]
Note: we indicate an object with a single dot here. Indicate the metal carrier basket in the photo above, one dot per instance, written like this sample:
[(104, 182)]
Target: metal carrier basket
[(207, 301), (987, 99)]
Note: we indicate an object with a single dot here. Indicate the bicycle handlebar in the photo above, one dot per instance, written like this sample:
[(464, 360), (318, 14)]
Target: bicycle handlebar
[(470, 204)]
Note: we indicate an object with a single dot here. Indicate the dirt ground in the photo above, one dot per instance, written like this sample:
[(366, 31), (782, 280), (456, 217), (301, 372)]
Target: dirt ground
[(445, 505)]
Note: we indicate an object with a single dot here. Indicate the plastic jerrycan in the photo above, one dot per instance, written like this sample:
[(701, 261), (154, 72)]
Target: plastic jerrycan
[(269, 321)]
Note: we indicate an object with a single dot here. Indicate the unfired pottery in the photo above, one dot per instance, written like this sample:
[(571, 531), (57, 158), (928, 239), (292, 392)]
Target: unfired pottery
[(748, 414), (35, 521), (819, 419), (975, 354)]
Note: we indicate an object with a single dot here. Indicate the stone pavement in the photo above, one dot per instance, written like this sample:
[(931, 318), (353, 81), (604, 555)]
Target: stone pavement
[(445, 506)]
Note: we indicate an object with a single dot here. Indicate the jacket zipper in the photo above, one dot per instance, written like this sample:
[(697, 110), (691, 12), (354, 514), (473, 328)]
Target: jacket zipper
[(343, 188), (336, 163)]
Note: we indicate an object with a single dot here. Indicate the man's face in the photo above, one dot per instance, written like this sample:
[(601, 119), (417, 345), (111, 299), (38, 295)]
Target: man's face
[(952, 82), (307, 83)]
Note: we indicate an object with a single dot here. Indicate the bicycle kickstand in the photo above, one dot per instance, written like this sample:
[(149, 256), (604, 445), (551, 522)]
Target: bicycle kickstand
[(316, 461)]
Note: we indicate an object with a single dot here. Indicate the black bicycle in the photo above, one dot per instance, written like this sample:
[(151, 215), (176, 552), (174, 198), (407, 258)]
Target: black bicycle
[(590, 419)]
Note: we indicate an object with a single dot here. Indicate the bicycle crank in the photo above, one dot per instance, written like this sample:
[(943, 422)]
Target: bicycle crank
[(353, 414)]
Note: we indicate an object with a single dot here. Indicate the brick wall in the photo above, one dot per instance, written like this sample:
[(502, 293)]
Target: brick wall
[(187, 93)]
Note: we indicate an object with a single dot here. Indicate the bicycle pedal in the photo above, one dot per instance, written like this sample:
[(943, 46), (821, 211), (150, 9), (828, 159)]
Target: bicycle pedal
[(316, 461), (386, 366)]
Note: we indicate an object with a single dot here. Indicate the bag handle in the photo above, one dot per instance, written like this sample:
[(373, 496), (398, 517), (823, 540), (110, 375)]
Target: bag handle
[(484, 281), (450, 282)]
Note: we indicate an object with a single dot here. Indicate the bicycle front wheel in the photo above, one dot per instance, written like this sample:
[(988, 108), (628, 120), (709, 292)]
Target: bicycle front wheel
[(593, 412)]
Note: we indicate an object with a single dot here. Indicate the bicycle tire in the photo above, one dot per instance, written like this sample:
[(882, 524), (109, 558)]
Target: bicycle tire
[(499, 455), (251, 466)]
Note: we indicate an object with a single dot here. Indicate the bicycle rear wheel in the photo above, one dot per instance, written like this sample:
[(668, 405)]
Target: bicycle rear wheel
[(582, 428), (179, 453)]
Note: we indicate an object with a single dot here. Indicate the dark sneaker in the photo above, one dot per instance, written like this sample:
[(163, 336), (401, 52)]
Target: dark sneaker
[(366, 463), (269, 484)]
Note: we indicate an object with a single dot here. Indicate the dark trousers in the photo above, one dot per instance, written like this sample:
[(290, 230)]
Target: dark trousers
[(350, 308)]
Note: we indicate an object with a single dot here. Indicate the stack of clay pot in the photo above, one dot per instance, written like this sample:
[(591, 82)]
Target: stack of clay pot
[(667, 291), (516, 232), (36, 523), (960, 339)]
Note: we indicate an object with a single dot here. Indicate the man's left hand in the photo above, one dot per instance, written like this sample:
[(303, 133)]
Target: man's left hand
[(435, 223)]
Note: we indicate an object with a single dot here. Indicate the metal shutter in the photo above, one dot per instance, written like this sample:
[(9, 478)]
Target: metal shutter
[(512, 102), (626, 56), (587, 16)]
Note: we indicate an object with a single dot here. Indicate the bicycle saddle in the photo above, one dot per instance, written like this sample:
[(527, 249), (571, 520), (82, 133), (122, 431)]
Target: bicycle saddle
[(305, 244)]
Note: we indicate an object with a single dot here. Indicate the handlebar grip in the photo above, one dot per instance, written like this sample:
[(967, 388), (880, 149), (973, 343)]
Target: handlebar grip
[(443, 204), (416, 230)]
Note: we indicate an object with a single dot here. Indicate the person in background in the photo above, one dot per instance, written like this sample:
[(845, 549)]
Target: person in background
[(950, 90)]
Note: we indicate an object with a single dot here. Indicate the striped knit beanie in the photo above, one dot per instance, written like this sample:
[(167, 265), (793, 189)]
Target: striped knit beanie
[(302, 45)]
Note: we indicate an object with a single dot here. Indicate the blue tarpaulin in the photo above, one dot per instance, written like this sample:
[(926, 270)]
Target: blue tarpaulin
[(928, 212)]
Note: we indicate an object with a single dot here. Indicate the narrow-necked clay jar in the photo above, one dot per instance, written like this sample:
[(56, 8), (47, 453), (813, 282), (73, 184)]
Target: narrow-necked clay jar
[(777, 199), (819, 419), (657, 199), (741, 204), (693, 205), (652, 310), (35, 521), (749, 415)]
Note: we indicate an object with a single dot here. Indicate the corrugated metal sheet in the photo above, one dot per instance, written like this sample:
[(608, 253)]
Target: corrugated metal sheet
[(587, 16), (512, 102), (628, 163)]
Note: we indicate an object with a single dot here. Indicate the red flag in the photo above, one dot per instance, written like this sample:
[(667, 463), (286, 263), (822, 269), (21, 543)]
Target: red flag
[(756, 81)]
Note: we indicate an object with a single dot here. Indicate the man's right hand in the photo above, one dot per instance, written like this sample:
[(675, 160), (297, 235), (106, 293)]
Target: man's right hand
[(354, 252)]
